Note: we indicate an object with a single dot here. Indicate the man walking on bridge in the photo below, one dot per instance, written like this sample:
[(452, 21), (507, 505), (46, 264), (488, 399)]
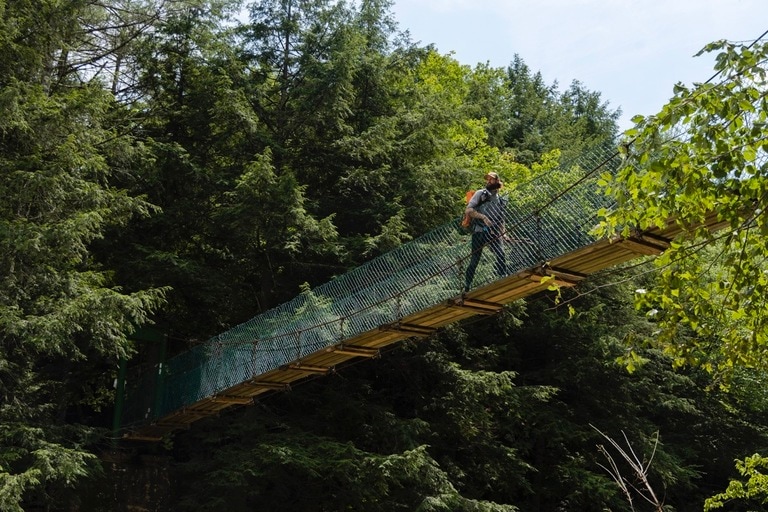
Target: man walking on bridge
[(486, 209)]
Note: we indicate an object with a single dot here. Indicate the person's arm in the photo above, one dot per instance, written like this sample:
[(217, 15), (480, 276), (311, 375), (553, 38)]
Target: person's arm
[(474, 214)]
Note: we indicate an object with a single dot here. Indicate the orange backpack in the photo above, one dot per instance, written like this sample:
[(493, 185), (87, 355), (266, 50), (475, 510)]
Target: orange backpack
[(466, 222)]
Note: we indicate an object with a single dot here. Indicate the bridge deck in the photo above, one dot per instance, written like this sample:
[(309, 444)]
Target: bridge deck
[(565, 270)]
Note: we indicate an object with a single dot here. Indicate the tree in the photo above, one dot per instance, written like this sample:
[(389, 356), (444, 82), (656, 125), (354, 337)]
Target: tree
[(754, 491), (64, 320), (704, 155), (541, 118), (199, 130)]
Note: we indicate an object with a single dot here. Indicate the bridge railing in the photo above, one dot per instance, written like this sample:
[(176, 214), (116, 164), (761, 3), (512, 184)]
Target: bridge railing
[(546, 217)]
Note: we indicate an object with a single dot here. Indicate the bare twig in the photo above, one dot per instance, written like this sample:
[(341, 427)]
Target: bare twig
[(638, 467)]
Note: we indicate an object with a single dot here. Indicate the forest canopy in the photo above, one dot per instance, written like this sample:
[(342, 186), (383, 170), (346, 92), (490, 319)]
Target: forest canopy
[(183, 165)]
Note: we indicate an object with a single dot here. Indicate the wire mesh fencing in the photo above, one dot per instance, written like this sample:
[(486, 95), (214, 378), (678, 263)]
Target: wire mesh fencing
[(544, 218)]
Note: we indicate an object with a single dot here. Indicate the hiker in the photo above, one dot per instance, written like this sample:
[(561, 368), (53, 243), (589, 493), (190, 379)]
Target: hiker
[(487, 213)]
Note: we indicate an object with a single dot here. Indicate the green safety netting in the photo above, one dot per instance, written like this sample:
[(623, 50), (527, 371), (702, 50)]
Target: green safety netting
[(546, 217)]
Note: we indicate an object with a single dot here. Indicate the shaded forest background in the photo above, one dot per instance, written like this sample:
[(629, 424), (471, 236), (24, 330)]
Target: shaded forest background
[(183, 165)]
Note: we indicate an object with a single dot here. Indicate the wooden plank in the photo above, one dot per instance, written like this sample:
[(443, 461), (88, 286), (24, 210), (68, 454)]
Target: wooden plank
[(233, 399), (268, 385), (408, 329), (641, 246), (582, 262), (507, 296), (597, 260), (478, 306), (374, 338), (615, 259), (438, 316), (551, 280), (306, 368), (327, 359), (248, 390), (566, 273), (354, 350)]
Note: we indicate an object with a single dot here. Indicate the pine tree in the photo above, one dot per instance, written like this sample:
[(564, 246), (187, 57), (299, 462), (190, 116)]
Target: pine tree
[(64, 322)]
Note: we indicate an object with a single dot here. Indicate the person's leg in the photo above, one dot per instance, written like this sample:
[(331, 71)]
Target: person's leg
[(478, 240), (496, 243)]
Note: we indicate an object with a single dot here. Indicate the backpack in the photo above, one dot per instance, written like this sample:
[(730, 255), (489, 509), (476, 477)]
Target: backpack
[(466, 222)]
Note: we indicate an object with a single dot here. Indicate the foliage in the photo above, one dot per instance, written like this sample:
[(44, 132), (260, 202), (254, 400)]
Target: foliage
[(541, 118), (704, 156), (292, 466), (495, 411), (64, 320), (753, 491)]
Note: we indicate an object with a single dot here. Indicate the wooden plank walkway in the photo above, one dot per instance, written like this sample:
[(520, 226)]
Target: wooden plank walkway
[(565, 270)]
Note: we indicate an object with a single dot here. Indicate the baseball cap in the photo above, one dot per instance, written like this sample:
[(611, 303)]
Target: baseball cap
[(492, 175)]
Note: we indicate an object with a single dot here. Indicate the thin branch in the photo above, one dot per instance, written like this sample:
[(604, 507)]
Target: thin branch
[(638, 468)]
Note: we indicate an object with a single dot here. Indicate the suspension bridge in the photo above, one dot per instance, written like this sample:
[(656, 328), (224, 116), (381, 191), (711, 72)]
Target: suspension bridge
[(409, 292)]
